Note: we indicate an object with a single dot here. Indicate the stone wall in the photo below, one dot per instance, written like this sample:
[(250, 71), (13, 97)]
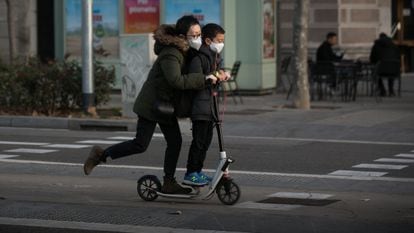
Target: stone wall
[(357, 23)]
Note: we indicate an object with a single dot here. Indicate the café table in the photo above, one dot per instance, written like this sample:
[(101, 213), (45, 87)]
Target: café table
[(346, 79)]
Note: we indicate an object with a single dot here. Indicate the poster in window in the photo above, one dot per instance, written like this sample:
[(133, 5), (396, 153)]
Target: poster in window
[(141, 16), (105, 28), (206, 11), (268, 29)]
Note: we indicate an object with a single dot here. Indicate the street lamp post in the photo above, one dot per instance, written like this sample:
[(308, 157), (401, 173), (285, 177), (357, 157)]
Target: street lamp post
[(88, 96)]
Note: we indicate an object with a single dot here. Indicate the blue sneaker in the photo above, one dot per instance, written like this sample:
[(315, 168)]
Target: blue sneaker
[(194, 179), (205, 177)]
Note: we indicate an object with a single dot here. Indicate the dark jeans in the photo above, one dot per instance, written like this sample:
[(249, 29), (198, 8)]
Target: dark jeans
[(145, 130), (390, 86), (202, 136)]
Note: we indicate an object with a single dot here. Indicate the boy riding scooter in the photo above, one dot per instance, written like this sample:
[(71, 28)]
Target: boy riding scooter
[(207, 60)]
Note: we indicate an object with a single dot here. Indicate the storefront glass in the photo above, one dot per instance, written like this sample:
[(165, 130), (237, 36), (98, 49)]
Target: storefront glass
[(207, 11), (105, 27), (141, 16)]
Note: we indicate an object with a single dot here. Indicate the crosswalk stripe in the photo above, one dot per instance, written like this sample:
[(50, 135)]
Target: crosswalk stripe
[(99, 142), (32, 151), (380, 166), (357, 173), (120, 138), (23, 143), (298, 195), (156, 135), (266, 206), (405, 155), (7, 156), (391, 160), (67, 146)]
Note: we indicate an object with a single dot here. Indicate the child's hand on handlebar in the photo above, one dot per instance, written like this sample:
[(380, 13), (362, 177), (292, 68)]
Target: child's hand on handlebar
[(212, 78), (222, 75)]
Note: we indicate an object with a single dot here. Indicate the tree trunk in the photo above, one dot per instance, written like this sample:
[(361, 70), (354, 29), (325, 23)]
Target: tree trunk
[(301, 98), (20, 23), (12, 31)]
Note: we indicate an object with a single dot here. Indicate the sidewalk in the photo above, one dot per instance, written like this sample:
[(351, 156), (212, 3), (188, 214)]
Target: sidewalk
[(271, 115)]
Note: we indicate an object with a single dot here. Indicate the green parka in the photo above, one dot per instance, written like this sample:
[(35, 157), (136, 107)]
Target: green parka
[(166, 77)]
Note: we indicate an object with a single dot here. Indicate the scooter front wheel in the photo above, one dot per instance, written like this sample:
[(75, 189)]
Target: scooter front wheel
[(228, 192), (147, 187)]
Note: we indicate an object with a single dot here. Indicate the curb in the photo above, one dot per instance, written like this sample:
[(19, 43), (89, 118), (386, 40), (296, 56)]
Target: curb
[(67, 123), (80, 123)]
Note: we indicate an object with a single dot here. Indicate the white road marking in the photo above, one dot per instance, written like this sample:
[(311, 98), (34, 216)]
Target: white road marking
[(7, 156), (155, 135), (334, 175), (357, 173), (99, 142), (391, 160), (266, 206), (380, 166), (314, 196), (120, 138), (325, 140), (98, 227), (24, 143), (405, 156), (31, 151), (67, 146)]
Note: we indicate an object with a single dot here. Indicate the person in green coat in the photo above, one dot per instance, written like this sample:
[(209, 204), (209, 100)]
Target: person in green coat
[(154, 104)]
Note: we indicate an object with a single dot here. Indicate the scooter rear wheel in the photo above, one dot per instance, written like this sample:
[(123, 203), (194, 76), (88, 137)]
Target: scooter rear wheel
[(147, 187), (228, 192)]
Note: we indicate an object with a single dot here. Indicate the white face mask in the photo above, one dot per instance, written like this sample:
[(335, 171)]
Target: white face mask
[(216, 47), (195, 43)]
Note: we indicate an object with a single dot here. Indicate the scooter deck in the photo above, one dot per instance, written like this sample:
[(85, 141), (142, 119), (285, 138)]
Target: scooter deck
[(183, 196)]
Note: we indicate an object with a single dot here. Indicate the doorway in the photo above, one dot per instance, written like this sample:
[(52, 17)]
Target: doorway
[(45, 30)]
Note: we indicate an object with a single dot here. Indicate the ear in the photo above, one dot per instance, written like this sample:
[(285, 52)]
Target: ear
[(208, 41)]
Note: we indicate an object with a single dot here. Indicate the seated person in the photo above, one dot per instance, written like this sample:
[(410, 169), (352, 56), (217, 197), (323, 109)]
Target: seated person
[(384, 49), (325, 52)]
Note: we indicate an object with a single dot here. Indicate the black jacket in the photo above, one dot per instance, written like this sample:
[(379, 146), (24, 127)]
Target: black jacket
[(384, 49), (205, 61), (325, 53)]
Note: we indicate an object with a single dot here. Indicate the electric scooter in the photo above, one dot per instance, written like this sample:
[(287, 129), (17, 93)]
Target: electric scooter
[(228, 192)]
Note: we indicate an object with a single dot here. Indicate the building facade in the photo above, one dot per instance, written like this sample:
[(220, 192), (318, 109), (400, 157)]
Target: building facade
[(357, 22), (255, 29)]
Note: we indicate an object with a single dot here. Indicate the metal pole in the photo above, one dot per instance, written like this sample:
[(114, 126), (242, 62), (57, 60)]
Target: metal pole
[(279, 82), (88, 96)]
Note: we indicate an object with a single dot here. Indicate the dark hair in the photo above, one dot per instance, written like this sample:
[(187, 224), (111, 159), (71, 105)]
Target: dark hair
[(211, 30), (330, 35), (382, 35), (184, 24)]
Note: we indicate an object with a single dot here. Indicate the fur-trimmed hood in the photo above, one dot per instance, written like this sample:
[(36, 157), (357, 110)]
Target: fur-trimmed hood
[(165, 35)]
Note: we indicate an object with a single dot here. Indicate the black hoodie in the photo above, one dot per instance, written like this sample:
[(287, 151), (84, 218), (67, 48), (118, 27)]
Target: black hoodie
[(384, 49)]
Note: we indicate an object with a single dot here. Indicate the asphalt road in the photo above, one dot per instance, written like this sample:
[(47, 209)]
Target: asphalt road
[(289, 184)]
